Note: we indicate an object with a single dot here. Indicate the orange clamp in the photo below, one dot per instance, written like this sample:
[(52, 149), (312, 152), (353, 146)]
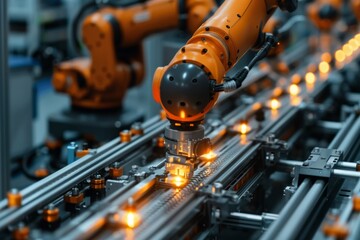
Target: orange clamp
[(81, 153), (336, 230), (14, 198), (125, 136), (356, 203)]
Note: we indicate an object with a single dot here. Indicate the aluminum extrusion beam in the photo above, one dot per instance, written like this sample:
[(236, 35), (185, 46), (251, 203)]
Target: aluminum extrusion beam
[(4, 103)]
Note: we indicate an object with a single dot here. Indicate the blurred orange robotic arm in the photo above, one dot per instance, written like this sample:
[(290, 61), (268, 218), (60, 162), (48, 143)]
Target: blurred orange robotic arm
[(355, 4), (113, 37), (184, 87), (324, 13)]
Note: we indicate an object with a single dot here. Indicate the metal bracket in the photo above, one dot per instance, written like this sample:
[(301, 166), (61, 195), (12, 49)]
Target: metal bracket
[(272, 149), (220, 202), (318, 165)]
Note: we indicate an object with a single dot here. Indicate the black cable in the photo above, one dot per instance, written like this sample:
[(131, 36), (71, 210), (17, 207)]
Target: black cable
[(27, 159), (25, 162), (235, 82)]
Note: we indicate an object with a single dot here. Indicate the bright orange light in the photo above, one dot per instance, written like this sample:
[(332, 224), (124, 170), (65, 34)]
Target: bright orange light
[(178, 181), (275, 104), (182, 114), (243, 139), (309, 87), (354, 44), (294, 89), (242, 128), (357, 37), (340, 55), (310, 78), (295, 100), (274, 114), (347, 49), (131, 219), (324, 67), (326, 57), (209, 156)]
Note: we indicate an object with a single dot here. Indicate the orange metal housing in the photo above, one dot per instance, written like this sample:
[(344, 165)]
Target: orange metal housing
[(355, 4), (218, 44), (114, 37), (313, 11)]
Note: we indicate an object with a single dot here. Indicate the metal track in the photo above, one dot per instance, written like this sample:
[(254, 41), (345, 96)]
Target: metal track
[(61, 181)]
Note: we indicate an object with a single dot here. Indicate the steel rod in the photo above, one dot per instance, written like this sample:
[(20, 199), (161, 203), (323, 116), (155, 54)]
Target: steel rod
[(343, 132), (287, 210), (54, 189), (346, 173), (351, 138), (294, 224), (347, 165), (290, 163), (4, 104)]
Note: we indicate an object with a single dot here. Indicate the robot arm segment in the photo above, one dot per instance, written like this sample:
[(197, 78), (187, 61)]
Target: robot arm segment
[(113, 36), (183, 88)]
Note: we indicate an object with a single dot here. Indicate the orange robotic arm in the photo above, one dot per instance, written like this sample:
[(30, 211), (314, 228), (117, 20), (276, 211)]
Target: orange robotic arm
[(324, 13), (355, 4), (113, 36), (184, 87)]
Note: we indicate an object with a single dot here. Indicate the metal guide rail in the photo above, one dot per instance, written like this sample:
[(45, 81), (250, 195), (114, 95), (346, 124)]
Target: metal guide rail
[(283, 166)]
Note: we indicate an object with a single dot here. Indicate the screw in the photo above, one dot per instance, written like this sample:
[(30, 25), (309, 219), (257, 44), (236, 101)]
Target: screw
[(217, 188), (75, 191), (271, 138), (137, 129), (14, 191), (116, 165), (51, 206), (134, 168)]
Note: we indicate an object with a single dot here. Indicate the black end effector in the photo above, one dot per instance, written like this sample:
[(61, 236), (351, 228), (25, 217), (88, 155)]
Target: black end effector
[(179, 94), (235, 82)]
